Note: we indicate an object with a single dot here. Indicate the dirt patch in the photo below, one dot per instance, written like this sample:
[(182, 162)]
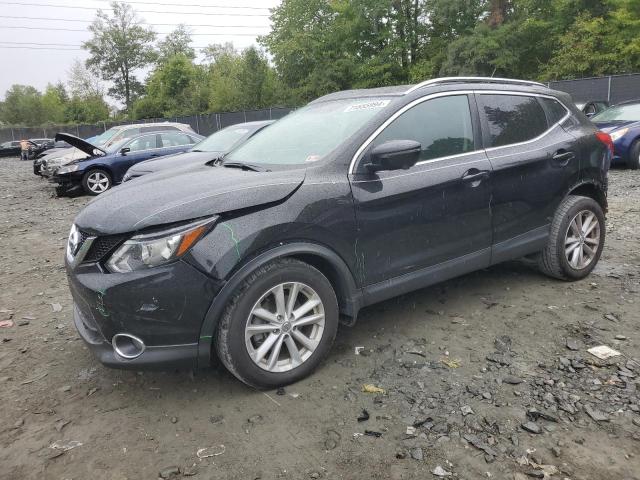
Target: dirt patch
[(487, 375)]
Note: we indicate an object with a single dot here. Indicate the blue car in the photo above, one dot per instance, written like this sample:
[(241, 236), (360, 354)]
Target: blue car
[(104, 168), (622, 123)]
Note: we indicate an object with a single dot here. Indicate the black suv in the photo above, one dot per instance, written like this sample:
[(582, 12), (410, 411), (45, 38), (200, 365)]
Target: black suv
[(358, 197)]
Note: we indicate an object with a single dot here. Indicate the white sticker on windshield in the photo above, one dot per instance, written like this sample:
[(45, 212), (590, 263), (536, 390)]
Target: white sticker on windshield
[(367, 106)]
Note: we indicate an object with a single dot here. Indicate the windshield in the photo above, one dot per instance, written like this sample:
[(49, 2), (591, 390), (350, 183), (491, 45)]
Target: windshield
[(622, 113), (103, 137), (308, 134), (115, 147), (223, 140)]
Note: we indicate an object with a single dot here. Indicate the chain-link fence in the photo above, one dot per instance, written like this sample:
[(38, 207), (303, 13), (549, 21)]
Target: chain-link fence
[(204, 124), (614, 88)]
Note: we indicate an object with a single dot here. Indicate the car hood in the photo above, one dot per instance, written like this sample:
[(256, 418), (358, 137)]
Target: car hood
[(615, 125), (184, 194), (79, 143), (177, 160)]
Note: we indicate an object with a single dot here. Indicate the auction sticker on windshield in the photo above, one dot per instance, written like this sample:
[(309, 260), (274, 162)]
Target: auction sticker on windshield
[(367, 106)]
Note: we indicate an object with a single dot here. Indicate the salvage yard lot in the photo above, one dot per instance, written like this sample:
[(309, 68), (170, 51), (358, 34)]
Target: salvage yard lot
[(489, 371)]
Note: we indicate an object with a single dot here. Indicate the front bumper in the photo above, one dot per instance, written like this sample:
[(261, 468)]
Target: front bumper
[(153, 357), (163, 306)]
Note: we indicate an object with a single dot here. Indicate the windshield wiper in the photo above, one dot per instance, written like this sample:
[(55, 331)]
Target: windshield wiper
[(243, 166)]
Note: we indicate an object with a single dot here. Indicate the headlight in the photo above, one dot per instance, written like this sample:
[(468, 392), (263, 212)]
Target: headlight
[(618, 134), (154, 249), (68, 169)]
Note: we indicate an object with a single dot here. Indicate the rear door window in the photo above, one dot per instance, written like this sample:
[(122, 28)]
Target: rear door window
[(510, 119), (441, 125), (174, 139)]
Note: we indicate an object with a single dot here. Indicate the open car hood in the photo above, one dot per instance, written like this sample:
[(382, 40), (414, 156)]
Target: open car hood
[(180, 194), (80, 144)]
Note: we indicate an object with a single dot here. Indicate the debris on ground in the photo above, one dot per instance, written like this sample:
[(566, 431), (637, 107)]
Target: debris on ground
[(440, 472), (603, 352), (451, 362), (210, 451), (364, 416), (369, 388), (65, 447), (6, 324)]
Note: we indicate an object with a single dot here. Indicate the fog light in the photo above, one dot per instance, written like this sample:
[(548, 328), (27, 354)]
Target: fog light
[(127, 346)]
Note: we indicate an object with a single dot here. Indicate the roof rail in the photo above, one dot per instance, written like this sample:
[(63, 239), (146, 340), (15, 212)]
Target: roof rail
[(435, 81)]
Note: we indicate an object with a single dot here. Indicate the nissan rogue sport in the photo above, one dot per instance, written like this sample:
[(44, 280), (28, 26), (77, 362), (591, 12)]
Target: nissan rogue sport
[(358, 197)]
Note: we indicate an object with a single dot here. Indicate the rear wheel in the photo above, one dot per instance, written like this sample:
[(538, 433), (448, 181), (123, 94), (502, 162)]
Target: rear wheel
[(634, 156), (96, 181), (279, 325), (576, 239)]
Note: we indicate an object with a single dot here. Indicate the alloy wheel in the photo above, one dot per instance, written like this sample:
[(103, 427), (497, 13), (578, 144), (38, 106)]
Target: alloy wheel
[(285, 327), (98, 182), (582, 239)]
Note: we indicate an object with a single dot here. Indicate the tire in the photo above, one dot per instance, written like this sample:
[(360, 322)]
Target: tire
[(96, 181), (634, 156), (561, 257), (238, 350)]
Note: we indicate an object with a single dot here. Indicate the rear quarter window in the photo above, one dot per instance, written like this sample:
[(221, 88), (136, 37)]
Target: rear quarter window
[(511, 119), (554, 109)]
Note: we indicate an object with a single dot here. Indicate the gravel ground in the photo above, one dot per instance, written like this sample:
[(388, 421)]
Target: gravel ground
[(484, 376)]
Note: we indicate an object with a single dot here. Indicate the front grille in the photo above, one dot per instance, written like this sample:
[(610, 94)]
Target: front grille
[(102, 246)]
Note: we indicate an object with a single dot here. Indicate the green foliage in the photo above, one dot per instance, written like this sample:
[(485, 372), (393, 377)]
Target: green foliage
[(119, 47), (177, 42), (21, 106)]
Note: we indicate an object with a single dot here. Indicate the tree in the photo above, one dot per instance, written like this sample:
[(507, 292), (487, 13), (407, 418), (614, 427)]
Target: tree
[(177, 42), (176, 87), (82, 83), (22, 106), (53, 103), (119, 47)]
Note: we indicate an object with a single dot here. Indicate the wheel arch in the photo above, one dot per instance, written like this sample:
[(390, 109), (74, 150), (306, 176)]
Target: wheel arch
[(591, 190), (329, 263)]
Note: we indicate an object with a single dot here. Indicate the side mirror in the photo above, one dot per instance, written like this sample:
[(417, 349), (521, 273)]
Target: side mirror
[(125, 150), (394, 155), (590, 114)]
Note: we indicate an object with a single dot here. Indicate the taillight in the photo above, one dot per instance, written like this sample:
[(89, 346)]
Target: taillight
[(606, 139)]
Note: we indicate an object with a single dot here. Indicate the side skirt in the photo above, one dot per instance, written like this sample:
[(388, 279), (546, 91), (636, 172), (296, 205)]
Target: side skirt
[(409, 282)]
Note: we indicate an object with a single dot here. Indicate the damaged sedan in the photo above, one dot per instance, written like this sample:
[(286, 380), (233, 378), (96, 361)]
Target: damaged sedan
[(101, 169)]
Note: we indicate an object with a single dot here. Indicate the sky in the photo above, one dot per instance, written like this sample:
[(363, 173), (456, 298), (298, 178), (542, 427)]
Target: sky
[(44, 52)]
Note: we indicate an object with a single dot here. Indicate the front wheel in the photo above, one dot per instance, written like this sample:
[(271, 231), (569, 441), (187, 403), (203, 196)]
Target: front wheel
[(279, 325), (576, 239), (96, 181)]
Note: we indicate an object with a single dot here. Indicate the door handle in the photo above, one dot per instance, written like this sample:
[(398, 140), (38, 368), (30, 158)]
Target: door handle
[(563, 157), (475, 176)]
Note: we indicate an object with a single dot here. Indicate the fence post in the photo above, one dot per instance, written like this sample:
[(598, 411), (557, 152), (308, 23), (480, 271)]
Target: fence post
[(244, 112), (197, 125), (609, 90), (13, 138)]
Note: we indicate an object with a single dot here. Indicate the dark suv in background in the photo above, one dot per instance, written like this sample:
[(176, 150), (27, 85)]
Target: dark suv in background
[(358, 197)]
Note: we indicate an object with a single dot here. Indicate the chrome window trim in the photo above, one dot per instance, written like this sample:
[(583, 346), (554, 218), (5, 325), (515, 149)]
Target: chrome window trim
[(389, 120), (417, 101)]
